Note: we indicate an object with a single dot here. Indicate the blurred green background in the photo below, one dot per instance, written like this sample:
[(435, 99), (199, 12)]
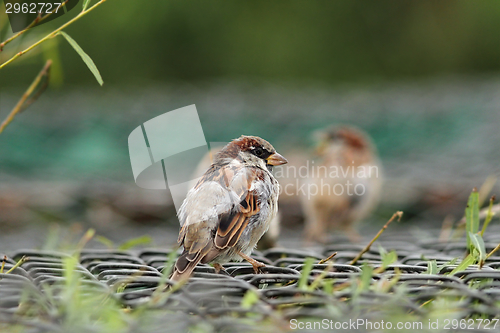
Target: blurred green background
[(332, 42), (420, 76)]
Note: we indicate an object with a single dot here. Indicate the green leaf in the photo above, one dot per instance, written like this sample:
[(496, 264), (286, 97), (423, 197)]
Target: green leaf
[(469, 260), (105, 241), (250, 298), (365, 278), (448, 263), (432, 268), (85, 57), (69, 264), (72, 279), (134, 242), (381, 251), (472, 216), (489, 216), (85, 4), (89, 234), (169, 266), (328, 286), (364, 281), (306, 270), (389, 258), (478, 244)]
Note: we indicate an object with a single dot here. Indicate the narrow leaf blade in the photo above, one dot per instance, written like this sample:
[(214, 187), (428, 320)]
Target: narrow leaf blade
[(478, 243), (469, 260), (105, 241), (306, 270), (489, 215), (134, 242), (389, 259), (472, 216), (85, 4), (432, 268), (85, 57), (366, 277), (250, 298)]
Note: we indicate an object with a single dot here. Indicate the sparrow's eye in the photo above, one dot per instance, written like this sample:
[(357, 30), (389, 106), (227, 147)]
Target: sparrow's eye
[(259, 152)]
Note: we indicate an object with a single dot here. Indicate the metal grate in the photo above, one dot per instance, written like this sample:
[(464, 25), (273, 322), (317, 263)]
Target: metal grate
[(218, 297)]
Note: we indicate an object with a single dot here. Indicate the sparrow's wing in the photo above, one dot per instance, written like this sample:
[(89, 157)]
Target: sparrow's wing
[(233, 222), (223, 201)]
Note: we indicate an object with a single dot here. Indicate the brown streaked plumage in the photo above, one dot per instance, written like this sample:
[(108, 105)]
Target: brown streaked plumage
[(343, 149), (270, 237), (229, 209)]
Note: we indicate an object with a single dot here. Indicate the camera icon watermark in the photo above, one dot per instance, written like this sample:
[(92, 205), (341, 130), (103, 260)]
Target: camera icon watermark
[(170, 152), (165, 151)]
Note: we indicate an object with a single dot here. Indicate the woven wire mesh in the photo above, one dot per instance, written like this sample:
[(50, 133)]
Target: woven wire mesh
[(133, 279)]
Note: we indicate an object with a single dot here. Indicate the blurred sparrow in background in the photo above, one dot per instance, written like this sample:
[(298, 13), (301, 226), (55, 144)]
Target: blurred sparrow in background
[(230, 208), (343, 184)]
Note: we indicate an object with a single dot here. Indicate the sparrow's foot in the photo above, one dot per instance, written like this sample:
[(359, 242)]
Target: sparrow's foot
[(219, 269), (257, 265)]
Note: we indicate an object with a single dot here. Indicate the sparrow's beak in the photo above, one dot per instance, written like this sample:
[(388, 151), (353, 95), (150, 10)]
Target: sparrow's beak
[(276, 159)]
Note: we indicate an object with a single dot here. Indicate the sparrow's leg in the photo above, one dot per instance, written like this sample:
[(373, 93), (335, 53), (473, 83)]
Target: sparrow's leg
[(256, 264), (219, 269)]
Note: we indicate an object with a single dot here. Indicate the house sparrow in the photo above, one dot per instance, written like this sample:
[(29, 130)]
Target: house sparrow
[(230, 208), (270, 237), (344, 186)]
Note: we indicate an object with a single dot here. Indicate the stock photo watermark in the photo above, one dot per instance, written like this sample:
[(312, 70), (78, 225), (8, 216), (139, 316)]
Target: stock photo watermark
[(312, 179), (170, 151), (25, 13), (414, 326)]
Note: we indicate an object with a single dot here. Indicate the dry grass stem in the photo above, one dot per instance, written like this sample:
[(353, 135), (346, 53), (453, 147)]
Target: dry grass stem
[(322, 261), (399, 215), (24, 102)]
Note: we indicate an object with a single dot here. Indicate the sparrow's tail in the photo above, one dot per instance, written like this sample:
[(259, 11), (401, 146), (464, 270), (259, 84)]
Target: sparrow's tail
[(185, 265)]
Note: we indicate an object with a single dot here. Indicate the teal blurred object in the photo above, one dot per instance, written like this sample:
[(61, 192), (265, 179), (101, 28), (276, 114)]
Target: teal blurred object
[(65, 159), (444, 131)]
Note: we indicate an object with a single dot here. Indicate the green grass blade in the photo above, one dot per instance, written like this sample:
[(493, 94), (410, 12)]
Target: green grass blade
[(169, 265), (448, 263), (469, 260), (85, 57), (389, 259), (105, 241), (381, 251), (306, 270), (85, 5), (432, 268), (251, 297), (134, 242), (472, 216), (365, 279), (489, 215), (478, 244), (69, 265)]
